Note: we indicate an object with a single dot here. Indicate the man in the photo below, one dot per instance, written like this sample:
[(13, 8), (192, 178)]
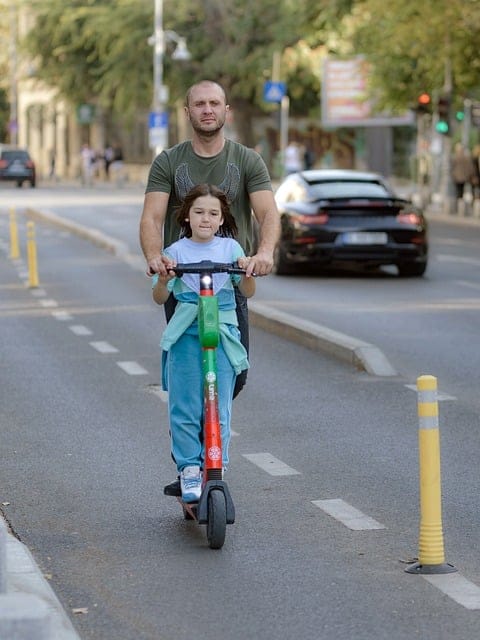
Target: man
[(209, 157)]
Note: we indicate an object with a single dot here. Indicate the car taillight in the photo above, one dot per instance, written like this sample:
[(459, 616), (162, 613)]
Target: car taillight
[(29, 164), (320, 218), (409, 218), (3, 164)]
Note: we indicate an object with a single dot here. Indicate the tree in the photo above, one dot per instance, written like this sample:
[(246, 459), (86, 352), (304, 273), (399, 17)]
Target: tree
[(418, 46), (97, 51)]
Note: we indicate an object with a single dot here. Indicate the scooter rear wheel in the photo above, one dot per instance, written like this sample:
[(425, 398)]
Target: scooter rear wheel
[(217, 519)]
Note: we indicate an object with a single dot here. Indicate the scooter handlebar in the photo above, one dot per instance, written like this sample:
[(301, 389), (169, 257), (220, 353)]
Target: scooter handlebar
[(207, 266)]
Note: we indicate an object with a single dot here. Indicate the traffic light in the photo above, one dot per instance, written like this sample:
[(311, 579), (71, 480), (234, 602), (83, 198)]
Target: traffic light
[(443, 113), (424, 103)]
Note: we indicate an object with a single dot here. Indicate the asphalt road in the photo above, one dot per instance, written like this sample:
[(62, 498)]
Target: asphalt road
[(85, 455)]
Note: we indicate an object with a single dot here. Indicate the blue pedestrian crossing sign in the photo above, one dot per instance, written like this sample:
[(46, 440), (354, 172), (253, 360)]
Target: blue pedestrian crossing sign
[(158, 129), (274, 91), (158, 120)]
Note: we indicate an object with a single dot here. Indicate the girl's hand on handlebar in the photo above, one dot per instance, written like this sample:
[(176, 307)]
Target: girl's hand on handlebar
[(243, 262)]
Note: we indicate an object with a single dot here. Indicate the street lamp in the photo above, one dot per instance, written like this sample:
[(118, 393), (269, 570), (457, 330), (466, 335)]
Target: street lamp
[(158, 124)]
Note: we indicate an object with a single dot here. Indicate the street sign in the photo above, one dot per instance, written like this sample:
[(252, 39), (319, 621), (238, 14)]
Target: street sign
[(85, 113), (158, 129), (158, 120), (274, 91)]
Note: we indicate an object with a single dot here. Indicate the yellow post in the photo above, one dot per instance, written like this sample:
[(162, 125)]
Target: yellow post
[(431, 555), (32, 256), (14, 246)]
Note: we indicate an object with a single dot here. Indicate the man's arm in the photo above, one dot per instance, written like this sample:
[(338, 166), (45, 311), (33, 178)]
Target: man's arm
[(266, 212), (151, 230)]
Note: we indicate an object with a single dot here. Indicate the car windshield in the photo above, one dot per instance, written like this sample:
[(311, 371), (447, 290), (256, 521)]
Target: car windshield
[(15, 155), (347, 189)]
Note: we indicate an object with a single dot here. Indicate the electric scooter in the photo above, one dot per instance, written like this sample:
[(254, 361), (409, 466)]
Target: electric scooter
[(215, 507)]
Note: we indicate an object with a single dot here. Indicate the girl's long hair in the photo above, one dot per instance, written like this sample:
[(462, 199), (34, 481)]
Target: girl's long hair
[(228, 229)]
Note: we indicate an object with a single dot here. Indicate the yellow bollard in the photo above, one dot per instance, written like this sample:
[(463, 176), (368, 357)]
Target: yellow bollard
[(431, 554), (14, 246), (32, 256)]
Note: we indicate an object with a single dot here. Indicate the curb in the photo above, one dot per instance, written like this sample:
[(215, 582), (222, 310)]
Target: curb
[(29, 608), (314, 336)]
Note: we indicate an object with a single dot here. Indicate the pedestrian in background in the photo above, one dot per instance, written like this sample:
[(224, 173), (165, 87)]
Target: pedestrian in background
[(293, 161), (462, 170), (476, 171), (87, 164)]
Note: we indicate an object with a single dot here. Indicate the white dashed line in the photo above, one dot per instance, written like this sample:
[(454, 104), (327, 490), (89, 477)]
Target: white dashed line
[(270, 464), (458, 588), (104, 347), (80, 330), (132, 368), (48, 303), (347, 515), (62, 316)]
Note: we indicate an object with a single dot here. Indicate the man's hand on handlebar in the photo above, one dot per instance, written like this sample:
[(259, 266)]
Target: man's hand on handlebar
[(260, 264), (159, 264)]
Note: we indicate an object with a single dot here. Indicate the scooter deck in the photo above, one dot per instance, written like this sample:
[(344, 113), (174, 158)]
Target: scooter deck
[(190, 509)]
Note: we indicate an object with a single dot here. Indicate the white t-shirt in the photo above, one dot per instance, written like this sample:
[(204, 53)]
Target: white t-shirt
[(218, 249)]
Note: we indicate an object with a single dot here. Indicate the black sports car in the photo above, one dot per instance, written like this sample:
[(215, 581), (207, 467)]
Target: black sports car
[(332, 217)]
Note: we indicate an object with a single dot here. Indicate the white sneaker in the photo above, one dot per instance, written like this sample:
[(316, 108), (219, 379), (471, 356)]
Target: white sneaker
[(191, 484)]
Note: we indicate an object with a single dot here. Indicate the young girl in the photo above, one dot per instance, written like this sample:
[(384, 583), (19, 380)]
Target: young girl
[(208, 234)]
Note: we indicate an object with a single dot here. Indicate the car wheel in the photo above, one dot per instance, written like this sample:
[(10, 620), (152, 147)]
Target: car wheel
[(415, 269), (19, 183), (32, 184), (281, 266)]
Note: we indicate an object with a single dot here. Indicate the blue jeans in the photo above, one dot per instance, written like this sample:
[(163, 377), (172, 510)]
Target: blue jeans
[(185, 400)]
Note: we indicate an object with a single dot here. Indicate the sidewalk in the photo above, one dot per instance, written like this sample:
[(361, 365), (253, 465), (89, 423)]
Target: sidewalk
[(29, 608)]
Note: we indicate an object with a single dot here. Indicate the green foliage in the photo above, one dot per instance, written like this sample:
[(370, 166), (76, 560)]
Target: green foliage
[(97, 50), (418, 46), (94, 51)]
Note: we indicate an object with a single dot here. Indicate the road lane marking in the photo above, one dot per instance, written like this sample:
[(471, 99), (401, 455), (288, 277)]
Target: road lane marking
[(442, 257), (104, 347), (440, 395), (48, 303), (62, 316), (270, 464), (347, 515), (466, 283), (458, 588), (80, 330), (132, 368)]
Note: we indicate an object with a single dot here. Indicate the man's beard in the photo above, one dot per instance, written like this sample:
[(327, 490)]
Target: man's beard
[(207, 133)]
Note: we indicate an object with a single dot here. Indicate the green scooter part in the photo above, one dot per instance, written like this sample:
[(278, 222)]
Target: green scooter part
[(208, 321)]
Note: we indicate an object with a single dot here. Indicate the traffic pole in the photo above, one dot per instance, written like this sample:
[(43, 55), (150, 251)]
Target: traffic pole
[(431, 554), (14, 246), (32, 256)]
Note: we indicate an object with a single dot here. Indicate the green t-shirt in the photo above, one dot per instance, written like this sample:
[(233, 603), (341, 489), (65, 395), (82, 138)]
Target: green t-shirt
[(236, 170)]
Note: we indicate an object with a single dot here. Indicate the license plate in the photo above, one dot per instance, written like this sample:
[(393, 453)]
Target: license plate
[(365, 237)]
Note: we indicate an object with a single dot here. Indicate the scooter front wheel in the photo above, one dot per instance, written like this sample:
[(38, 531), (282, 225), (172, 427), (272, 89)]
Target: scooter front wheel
[(217, 519)]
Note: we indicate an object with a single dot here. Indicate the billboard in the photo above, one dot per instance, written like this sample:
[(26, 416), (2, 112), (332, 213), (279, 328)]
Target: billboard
[(345, 99)]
